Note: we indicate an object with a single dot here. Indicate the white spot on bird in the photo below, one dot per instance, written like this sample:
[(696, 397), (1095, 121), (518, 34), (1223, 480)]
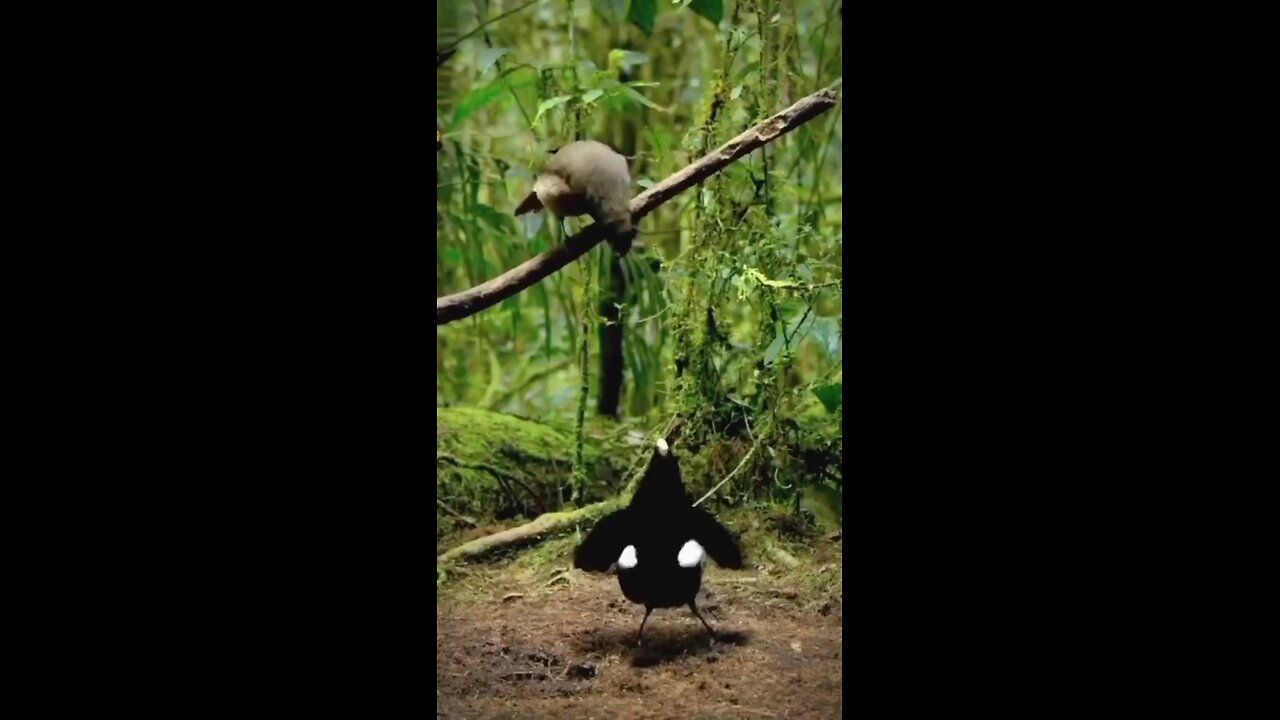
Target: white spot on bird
[(690, 554), (627, 559), (662, 447)]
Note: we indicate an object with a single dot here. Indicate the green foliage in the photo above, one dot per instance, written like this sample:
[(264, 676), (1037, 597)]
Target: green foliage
[(492, 464), (825, 504), (712, 10), (550, 103), (829, 395), (478, 98), (732, 311), (643, 13)]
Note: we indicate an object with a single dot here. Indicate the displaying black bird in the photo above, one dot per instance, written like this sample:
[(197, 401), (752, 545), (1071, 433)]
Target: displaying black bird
[(658, 542)]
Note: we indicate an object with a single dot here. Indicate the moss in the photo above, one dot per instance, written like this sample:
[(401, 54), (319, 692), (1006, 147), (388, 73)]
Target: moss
[(491, 465), (554, 553)]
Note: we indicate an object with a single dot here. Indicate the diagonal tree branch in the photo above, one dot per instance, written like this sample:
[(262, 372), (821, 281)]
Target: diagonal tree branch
[(491, 292)]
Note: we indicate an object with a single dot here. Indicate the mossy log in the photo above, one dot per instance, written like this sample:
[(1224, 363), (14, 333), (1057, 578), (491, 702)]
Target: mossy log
[(495, 466), (541, 528), (492, 466)]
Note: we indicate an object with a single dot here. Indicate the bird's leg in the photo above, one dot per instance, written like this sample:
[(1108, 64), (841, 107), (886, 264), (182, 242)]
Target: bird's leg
[(647, 610), (694, 607)]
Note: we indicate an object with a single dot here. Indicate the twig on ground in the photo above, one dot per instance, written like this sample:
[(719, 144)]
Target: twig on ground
[(562, 576)]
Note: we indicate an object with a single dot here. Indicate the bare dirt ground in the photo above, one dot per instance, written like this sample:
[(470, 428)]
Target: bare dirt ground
[(549, 642)]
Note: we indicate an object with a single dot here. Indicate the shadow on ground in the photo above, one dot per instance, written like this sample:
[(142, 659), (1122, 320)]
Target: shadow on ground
[(662, 645), (512, 646)]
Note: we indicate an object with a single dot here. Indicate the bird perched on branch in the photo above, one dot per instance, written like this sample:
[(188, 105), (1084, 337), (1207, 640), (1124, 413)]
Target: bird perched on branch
[(659, 542), (587, 178)]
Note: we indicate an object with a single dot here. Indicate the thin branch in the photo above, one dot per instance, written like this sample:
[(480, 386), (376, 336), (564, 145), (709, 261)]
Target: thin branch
[(713, 490), (445, 52), (491, 292)]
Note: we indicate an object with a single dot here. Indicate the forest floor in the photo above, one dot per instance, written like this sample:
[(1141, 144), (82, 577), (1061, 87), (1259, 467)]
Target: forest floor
[(532, 638)]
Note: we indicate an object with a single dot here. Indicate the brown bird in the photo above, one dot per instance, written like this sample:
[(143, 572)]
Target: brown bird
[(587, 178)]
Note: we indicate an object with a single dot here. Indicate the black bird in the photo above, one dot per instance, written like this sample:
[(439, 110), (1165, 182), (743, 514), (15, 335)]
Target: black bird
[(658, 542)]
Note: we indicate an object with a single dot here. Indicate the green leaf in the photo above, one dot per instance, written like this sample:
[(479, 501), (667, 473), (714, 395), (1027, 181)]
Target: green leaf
[(592, 96), (642, 14), (478, 98), (546, 105), (475, 100), (612, 9), (497, 220), (775, 348), (799, 321), (692, 138), (830, 395), (660, 140), (826, 334), (712, 10), (642, 99)]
